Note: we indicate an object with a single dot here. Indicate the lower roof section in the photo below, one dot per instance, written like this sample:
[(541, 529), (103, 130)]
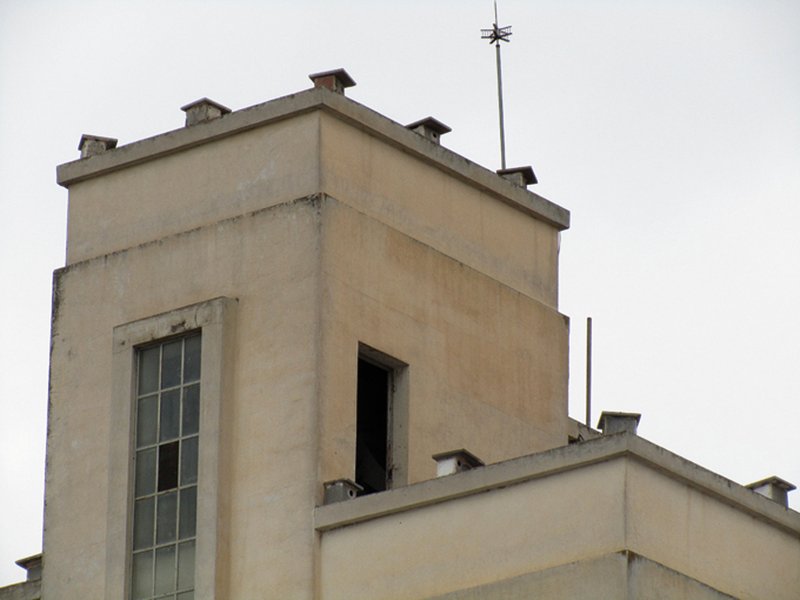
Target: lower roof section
[(615, 494)]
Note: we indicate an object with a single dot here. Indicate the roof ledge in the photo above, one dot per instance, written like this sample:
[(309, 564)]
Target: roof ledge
[(342, 108), (572, 457)]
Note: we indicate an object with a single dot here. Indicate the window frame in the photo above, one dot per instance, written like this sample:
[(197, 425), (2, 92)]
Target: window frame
[(215, 319), (156, 445)]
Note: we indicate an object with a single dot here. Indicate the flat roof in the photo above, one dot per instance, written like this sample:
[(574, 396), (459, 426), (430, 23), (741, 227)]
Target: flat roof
[(551, 462), (341, 107)]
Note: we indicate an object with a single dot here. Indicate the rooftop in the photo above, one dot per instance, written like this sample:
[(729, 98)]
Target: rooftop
[(323, 98)]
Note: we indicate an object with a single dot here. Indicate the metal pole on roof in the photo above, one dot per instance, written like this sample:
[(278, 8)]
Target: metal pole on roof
[(588, 371), (495, 35)]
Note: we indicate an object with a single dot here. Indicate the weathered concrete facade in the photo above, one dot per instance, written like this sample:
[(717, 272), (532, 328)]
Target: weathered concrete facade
[(299, 235), (328, 226)]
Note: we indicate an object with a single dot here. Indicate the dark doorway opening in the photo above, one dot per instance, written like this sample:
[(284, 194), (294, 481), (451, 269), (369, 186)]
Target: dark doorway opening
[(373, 456)]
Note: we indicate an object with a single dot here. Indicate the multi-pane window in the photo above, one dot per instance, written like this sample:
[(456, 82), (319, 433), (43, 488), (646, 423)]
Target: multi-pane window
[(165, 488)]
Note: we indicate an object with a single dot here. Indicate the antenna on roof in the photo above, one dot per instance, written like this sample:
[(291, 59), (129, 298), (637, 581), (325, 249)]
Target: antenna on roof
[(495, 35), (588, 371)]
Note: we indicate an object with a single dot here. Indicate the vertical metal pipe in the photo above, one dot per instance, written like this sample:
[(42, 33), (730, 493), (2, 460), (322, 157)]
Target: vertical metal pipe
[(500, 105), (588, 371)]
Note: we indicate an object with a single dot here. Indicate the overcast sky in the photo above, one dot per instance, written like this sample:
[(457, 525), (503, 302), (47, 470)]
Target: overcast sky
[(670, 130)]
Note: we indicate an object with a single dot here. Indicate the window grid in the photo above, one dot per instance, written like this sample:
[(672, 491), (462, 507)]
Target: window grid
[(165, 488)]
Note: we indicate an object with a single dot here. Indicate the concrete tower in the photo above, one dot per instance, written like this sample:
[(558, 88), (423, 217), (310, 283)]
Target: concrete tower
[(301, 351)]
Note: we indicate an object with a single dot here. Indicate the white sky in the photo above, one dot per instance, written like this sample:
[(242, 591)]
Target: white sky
[(671, 130)]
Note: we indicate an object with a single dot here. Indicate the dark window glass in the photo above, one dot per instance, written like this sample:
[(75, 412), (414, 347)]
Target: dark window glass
[(145, 472), (188, 512), (189, 461), (185, 566), (142, 575), (167, 466), (146, 421), (143, 515), (171, 364), (170, 415), (148, 370), (191, 409), (165, 570), (191, 359), (167, 517)]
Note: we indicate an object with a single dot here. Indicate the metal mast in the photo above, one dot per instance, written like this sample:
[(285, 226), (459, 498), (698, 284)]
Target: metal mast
[(588, 371), (495, 35)]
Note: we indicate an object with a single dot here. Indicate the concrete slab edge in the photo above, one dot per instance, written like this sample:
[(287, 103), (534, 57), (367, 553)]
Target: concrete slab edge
[(552, 462), (341, 107)]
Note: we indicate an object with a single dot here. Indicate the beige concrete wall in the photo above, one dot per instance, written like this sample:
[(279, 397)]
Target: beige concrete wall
[(262, 167), (696, 534), (440, 210), (617, 576), (514, 528), (487, 364), (268, 261), (410, 260), (449, 322), (478, 539), (650, 580), (603, 578)]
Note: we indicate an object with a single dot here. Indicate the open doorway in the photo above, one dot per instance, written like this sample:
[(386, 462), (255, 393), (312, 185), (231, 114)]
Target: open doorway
[(378, 421)]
